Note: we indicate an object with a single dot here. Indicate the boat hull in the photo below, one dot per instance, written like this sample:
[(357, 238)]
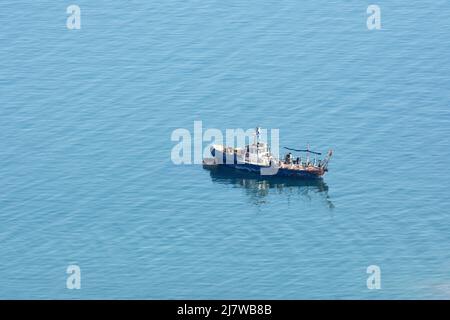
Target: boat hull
[(281, 172)]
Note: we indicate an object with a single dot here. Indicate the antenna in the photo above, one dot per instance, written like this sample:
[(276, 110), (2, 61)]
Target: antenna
[(257, 132)]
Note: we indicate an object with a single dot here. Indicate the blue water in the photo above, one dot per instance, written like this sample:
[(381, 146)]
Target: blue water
[(86, 178)]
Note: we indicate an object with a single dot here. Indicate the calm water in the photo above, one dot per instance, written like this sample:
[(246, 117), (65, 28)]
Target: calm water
[(86, 178)]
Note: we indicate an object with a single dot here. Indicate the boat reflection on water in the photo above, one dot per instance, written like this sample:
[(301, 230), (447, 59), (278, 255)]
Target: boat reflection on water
[(258, 187)]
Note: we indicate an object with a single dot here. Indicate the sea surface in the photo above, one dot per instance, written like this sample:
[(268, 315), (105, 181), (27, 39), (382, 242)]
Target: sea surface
[(86, 177)]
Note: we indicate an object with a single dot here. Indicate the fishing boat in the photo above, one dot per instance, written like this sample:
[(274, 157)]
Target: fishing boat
[(257, 158)]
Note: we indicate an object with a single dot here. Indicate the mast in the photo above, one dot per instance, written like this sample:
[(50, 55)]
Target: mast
[(327, 159), (307, 155), (257, 143)]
